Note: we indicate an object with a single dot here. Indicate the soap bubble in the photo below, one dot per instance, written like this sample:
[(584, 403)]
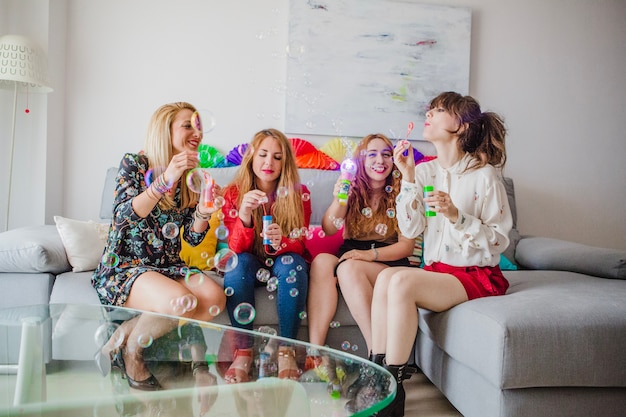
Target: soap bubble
[(345, 345), (233, 213), (263, 275), (214, 311), (367, 212), (291, 279), (269, 262), (110, 260), (381, 229), (287, 260), (294, 292), (306, 196), (170, 230), (194, 277), (282, 192), (391, 213), (388, 188), (196, 178), (338, 223), (355, 347), (334, 324), (203, 121), (106, 331), (144, 340), (229, 291), (218, 202), (295, 233), (244, 313), (302, 315), (225, 260), (222, 232), (272, 284), (321, 233), (396, 173)]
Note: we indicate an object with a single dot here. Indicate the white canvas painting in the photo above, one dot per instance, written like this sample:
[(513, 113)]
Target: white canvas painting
[(356, 67)]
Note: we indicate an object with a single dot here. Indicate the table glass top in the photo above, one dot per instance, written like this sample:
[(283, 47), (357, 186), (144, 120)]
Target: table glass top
[(188, 360)]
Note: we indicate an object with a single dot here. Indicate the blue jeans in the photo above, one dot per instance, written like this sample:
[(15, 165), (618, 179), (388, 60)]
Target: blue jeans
[(292, 273)]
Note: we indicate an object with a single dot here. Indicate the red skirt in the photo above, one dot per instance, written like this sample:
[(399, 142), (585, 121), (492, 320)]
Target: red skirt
[(478, 281)]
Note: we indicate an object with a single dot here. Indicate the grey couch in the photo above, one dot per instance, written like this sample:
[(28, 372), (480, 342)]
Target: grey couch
[(553, 346)]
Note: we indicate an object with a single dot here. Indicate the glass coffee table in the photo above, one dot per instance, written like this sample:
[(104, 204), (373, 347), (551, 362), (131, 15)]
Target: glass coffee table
[(188, 362)]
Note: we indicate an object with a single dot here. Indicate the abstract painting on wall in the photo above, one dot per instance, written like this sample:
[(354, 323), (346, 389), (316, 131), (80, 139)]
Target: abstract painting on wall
[(356, 67)]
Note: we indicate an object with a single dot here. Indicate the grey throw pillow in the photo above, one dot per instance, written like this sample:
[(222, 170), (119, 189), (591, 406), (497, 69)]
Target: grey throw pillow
[(33, 249), (556, 254)]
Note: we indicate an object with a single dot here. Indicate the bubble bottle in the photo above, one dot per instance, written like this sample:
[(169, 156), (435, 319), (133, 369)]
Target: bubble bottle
[(267, 220), (207, 186), (427, 210), (348, 172)]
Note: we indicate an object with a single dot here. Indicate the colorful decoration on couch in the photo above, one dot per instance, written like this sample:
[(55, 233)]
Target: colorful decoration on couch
[(339, 148), (210, 157), (235, 156), (308, 156)]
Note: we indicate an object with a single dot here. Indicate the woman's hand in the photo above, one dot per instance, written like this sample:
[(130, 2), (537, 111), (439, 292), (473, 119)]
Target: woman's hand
[(250, 202), (179, 164), (275, 234), (360, 255), (404, 163), (442, 203)]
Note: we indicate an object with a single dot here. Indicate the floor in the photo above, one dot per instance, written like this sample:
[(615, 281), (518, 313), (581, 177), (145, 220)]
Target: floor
[(423, 399)]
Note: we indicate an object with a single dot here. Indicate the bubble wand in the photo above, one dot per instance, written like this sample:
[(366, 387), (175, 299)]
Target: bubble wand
[(405, 143)]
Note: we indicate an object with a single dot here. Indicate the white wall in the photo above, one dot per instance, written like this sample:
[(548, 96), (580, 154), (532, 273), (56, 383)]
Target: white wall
[(553, 69)]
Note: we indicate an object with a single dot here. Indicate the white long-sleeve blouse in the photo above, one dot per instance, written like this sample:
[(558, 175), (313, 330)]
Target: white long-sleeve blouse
[(481, 232)]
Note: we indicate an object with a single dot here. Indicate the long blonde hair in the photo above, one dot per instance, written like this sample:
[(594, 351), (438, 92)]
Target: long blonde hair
[(356, 223), (288, 211), (158, 149)]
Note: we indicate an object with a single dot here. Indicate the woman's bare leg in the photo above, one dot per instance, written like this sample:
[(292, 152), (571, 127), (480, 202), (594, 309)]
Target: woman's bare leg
[(153, 292), (379, 310), (408, 289), (356, 280), (322, 297)]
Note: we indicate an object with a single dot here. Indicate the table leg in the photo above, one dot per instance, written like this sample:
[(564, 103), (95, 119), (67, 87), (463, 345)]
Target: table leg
[(30, 386)]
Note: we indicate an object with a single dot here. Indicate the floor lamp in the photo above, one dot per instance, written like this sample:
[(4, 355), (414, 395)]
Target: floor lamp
[(23, 67)]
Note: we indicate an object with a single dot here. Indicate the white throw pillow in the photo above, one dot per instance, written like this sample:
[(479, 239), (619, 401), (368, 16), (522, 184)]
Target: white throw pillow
[(84, 242)]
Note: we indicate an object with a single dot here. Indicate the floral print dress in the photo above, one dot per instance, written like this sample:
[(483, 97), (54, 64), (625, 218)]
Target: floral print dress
[(137, 245)]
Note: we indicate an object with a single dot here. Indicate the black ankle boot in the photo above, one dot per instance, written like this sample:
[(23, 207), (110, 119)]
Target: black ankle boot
[(396, 408), (377, 358)]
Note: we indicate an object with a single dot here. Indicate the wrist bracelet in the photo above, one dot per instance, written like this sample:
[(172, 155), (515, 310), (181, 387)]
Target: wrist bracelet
[(200, 216), (375, 254), (160, 186)]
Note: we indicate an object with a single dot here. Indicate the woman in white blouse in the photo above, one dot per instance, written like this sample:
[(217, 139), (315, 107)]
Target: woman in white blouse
[(463, 238)]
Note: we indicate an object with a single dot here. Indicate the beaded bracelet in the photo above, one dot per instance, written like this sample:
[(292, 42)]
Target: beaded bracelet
[(160, 186)]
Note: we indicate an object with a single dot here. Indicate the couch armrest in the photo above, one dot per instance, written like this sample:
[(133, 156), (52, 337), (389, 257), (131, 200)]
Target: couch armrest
[(556, 254), (33, 249)]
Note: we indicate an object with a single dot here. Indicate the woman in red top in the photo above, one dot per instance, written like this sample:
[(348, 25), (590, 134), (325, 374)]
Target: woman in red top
[(267, 183)]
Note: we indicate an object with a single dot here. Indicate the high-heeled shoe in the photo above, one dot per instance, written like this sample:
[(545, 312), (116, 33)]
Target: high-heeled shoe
[(148, 384)]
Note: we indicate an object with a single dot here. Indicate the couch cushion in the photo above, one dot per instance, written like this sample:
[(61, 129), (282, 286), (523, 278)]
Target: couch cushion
[(561, 255), (84, 242), (32, 249), (552, 329)]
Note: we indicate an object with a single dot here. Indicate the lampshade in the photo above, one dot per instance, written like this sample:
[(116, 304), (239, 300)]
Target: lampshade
[(22, 61)]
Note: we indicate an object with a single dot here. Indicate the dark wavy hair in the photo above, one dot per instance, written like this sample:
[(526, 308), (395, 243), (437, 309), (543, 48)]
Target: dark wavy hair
[(481, 134)]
